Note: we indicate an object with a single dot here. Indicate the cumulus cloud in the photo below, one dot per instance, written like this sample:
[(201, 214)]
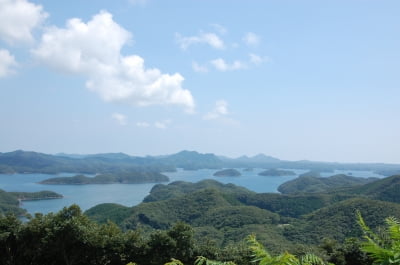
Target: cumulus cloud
[(251, 39), (223, 66), (199, 68), (211, 39), (7, 63), (120, 119), (220, 110), (93, 49), (18, 18)]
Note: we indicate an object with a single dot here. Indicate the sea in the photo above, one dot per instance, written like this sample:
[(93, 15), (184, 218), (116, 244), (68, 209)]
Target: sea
[(87, 196)]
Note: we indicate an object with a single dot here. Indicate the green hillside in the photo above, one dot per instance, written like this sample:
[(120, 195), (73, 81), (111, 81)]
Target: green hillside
[(310, 183), (386, 189)]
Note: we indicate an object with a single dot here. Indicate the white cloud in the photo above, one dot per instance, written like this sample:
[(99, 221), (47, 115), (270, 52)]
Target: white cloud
[(199, 68), (120, 119), (220, 110), (142, 124), (251, 39), (223, 66), (257, 59), (18, 18), (219, 28), (211, 39), (7, 63), (93, 49), (162, 124)]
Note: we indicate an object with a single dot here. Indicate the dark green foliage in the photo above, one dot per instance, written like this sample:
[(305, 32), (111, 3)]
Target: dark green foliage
[(348, 252), (307, 183), (337, 221), (276, 172), (109, 212), (69, 237), (227, 173), (123, 178)]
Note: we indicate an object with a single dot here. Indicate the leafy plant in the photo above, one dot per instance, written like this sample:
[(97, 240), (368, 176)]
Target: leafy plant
[(383, 248), (262, 257)]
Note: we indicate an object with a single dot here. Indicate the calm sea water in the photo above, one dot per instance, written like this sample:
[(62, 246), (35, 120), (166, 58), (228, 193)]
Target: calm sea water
[(87, 196)]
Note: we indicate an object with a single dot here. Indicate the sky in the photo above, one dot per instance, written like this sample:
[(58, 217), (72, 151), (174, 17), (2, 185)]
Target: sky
[(315, 80)]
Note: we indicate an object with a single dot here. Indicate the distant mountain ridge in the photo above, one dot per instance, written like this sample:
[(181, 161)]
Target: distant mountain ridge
[(32, 162)]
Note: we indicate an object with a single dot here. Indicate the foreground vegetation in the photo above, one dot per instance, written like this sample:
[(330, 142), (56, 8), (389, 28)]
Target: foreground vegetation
[(225, 214), (69, 237)]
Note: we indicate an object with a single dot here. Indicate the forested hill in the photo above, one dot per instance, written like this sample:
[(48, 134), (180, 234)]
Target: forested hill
[(33, 162), (312, 183), (226, 213)]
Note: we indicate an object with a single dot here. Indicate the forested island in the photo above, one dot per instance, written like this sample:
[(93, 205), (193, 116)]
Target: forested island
[(277, 172), (227, 173), (120, 178), (10, 201)]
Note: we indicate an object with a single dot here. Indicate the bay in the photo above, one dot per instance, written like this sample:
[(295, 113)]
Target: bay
[(87, 196)]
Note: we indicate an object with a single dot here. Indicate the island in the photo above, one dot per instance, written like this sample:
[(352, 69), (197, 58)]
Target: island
[(118, 178), (10, 202), (276, 172), (227, 173), (34, 196)]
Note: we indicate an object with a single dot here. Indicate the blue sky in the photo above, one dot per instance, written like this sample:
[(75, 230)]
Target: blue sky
[(315, 80)]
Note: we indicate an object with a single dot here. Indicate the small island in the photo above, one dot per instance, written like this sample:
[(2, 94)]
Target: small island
[(118, 178), (276, 172), (10, 202), (227, 173), (34, 196)]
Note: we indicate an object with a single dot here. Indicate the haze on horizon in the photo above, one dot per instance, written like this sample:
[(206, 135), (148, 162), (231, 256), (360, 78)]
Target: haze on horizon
[(307, 79)]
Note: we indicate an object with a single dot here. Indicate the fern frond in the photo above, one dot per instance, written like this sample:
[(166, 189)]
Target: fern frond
[(394, 228), (258, 251), (368, 233), (311, 259)]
